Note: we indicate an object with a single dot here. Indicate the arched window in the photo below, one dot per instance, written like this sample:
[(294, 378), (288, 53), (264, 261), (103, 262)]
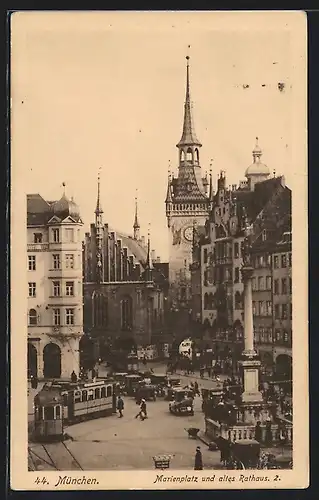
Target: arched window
[(33, 317), (206, 301), (99, 310), (127, 313), (238, 301), (109, 391), (189, 154), (182, 156), (196, 156)]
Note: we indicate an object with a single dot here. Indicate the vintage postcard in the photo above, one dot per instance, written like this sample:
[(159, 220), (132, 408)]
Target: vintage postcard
[(159, 325)]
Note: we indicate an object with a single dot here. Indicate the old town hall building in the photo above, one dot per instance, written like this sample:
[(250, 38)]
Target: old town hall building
[(125, 286)]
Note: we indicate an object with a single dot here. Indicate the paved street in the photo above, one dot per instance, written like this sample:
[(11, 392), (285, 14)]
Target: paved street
[(129, 443)]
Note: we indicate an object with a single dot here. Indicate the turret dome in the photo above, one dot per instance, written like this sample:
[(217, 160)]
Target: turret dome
[(257, 168), (66, 208)]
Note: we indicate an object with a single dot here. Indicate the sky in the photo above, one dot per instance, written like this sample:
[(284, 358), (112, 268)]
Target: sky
[(106, 91)]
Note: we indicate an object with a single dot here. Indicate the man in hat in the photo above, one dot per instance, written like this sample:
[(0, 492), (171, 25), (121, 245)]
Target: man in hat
[(143, 412), (198, 459)]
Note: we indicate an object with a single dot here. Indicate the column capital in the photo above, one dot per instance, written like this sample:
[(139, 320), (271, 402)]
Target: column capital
[(247, 272)]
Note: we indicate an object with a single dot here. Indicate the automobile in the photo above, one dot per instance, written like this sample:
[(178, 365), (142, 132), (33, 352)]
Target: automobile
[(132, 383), (147, 392), (183, 402)]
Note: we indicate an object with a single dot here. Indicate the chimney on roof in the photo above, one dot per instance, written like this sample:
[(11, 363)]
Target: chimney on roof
[(158, 259)]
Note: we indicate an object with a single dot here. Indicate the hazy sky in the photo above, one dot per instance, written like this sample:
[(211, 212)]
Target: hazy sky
[(106, 90)]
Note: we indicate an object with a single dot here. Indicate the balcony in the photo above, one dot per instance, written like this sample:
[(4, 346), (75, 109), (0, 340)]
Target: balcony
[(66, 330), (64, 272), (38, 247)]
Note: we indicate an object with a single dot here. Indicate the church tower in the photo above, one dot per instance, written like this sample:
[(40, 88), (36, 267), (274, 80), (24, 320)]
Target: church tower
[(187, 202)]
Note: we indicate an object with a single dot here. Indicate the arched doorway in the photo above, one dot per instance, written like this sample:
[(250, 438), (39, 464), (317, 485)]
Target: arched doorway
[(32, 361), (52, 361), (284, 367)]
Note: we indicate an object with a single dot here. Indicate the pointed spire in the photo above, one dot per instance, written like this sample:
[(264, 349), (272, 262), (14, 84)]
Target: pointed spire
[(149, 263), (188, 135), (211, 191), (98, 209), (136, 225), (169, 198)]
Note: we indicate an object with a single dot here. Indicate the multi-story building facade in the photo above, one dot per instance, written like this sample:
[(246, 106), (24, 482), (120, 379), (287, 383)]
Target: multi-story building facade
[(187, 202), (125, 286), (264, 203), (55, 318)]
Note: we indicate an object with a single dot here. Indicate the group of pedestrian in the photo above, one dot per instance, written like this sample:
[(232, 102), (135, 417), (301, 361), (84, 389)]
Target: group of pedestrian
[(142, 414)]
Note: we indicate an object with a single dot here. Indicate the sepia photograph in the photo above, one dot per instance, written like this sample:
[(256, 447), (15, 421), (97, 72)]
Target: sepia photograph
[(159, 250)]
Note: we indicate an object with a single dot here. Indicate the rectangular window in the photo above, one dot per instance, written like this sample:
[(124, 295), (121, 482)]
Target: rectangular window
[(31, 263), (284, 260), (268, 282), (205, 255), (236, 280), (56, 317), (261, 308), (254, 308), (276, 287), (284, 286), (69, 261), (69, 286), (277, 311), (69, 235), (253, 283), (236, 250), (284, 311), (56, 235), (56, 288), (32, 289), (276, 261), (37, 237), (260, 283), (269, 309), (69, 316), (56, 261), (289, 259)]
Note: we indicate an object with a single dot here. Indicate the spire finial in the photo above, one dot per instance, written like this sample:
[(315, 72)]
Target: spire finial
[(98, 209), (136, 225), (149, 257), (257, 153), (211, 191), (63, 185)]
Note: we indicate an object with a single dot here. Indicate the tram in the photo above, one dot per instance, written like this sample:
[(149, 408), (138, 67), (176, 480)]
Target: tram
[(62, 403)]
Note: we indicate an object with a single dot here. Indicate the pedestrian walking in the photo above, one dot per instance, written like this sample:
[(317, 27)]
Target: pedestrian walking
[(268, 432), (198, 459), (258, 432), (120, 406), (143, 411), (196, 389), (74, 377)]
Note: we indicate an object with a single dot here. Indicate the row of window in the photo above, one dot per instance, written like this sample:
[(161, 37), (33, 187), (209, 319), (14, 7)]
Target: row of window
[(280, 260), (56, 261), (68, 236), (69, 316), (56, 285), (264, 308), (90, 394), (280, 336)]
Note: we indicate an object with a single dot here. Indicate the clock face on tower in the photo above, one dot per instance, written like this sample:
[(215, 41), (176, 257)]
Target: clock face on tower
[(188, 233)]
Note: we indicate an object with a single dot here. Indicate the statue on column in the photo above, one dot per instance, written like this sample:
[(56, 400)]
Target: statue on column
[(246, 248)]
